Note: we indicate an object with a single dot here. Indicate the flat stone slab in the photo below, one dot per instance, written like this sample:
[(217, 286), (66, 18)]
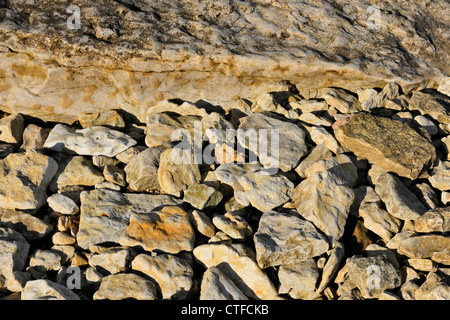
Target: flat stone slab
[(391, 144), (105, 214)]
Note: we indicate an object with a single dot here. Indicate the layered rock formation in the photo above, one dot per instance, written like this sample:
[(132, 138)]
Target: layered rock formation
[(131, 54)]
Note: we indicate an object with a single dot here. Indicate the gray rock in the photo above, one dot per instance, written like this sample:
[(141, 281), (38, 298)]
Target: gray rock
[(285, 238), (285, 154), (325, 200), (202, 196), (62, 204)]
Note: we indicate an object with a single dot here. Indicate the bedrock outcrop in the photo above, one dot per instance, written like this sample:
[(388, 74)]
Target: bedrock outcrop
[(131, 54)]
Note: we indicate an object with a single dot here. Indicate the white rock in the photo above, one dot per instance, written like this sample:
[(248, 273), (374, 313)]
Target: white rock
[(299, 280), (427, 124), (92, 141), (112, 260), (174, 275)]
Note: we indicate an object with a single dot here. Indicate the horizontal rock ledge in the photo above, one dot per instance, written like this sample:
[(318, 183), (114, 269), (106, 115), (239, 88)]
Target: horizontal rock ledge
[(132, 57)]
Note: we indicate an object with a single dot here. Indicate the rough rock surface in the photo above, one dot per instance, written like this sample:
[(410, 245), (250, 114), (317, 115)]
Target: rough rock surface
[(390, 144), (167, 50)]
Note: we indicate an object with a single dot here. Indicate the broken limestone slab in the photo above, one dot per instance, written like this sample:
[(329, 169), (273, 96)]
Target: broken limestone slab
[(167, 229), (24, 178), (390, 144), (285, 238), (238, 263), (105, 214)]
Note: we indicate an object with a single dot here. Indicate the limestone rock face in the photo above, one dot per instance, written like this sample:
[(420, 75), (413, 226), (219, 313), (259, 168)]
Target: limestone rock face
[(215, 56), (388, 143)]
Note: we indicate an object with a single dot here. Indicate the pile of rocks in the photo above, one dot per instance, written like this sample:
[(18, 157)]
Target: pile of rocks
[(347, 201)]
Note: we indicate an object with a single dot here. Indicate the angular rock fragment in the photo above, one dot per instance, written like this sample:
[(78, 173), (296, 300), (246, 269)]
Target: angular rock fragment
[(423, 246), (168, 229), (285, 238), (34, 138), (435, 287), (201, 196), (393, 145), (91, 141), (341, 100), (43, 289), (177, 171), (24, 178), (440, 176), (14, 252), (324, 200), (30, 227), (432, 103), (299, 280), (79, 171), (330, 268), (45, 260), (172, 274), (142, 170), (107, 118), (373, 275), (11, 129), (238, 263), (125, 286), (285, 154), (317, 154), (105, 214), (163, 127), (400, 202), (264, 191), (217, 286), (434, 220), (233, 225), (202, 223), (112, 260)]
